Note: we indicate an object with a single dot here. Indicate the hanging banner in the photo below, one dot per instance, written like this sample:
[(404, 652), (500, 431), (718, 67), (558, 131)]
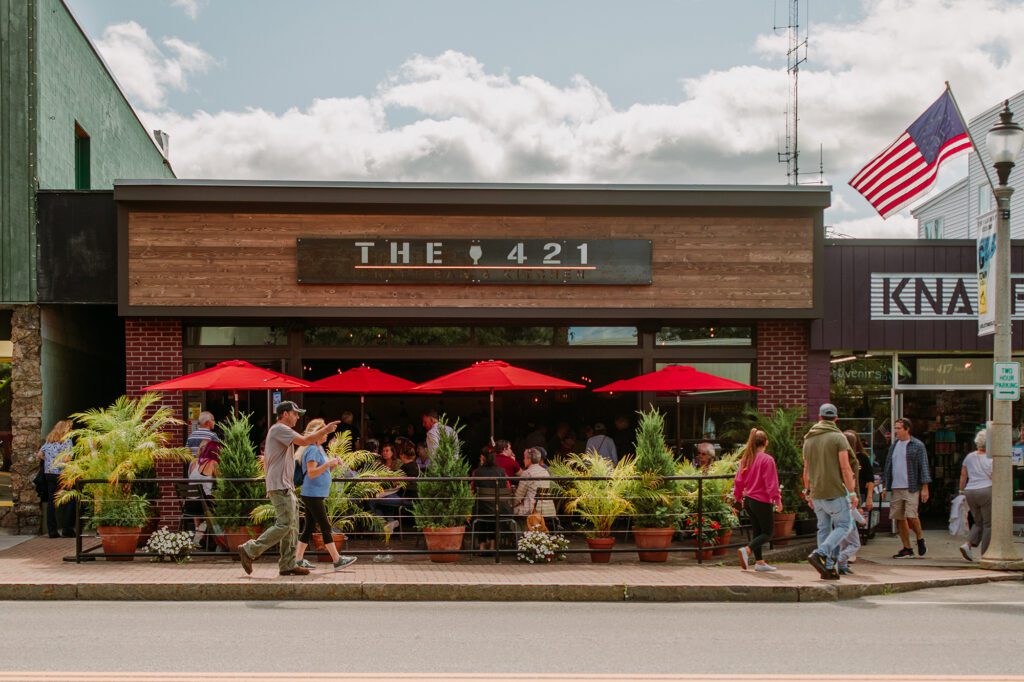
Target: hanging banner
[(987, 273)]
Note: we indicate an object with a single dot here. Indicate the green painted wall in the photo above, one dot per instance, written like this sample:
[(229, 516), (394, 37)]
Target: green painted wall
[(73, 85), (17, 152), (50, 77)]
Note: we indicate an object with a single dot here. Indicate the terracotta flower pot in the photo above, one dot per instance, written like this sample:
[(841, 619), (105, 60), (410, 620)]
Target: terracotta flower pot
[(237, 536), (783, 528), (318, 544), (119, 540), (653, 538), (723, 540), (440, 540), (597, 544)]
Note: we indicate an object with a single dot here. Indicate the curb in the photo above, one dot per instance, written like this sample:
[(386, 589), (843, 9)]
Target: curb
[(300, 591)]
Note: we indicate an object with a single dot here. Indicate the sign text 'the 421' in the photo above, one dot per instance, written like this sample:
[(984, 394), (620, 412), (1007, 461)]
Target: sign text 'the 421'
[(369, 260)]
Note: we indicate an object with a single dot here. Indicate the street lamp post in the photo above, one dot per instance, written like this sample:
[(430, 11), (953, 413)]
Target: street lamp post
[(1004, 143)]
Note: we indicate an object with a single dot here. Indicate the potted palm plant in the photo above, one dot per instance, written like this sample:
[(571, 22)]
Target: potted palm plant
[(443, 507), (657, 502), (598, 502), (236, 500), (115, 444)]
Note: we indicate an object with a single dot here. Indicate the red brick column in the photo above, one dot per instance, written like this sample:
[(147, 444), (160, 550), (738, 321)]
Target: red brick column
[(153, 354), (782, 364)]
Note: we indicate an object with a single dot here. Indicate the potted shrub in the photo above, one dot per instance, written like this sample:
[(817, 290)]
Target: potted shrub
[(657, 502), (235, 501), (116, 444), (443, 507), (598, 502)]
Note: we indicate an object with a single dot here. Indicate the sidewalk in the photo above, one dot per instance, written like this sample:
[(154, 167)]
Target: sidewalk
[(34, 569)]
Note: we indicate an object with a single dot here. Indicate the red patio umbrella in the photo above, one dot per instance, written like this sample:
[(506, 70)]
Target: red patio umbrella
[(230, 375), (361, 381), (491, 376), (676, 380)]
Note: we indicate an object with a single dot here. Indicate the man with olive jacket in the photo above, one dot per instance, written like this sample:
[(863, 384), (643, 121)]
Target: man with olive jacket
[(829, 487)]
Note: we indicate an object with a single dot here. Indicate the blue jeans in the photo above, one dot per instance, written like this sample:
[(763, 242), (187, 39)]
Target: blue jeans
[(834, 523)]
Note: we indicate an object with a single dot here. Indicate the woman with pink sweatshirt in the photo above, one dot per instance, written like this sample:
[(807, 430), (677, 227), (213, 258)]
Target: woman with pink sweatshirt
[(757, 488)]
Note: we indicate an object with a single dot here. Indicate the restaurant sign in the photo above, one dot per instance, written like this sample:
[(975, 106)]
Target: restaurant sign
[(931, 296), (372, 260)]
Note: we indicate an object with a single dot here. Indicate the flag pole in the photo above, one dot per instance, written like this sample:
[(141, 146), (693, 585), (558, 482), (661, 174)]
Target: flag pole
[(977, 150)]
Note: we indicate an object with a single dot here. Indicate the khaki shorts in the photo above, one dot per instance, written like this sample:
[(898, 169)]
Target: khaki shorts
[(903, 504)]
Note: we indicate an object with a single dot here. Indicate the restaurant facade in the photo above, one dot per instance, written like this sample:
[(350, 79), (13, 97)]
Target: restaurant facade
[(588, 283)]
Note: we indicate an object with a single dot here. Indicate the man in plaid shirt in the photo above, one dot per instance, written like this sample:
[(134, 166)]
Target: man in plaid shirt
[(907, 478)]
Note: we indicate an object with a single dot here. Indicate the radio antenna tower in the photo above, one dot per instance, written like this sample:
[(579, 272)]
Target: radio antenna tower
[(795, 56)]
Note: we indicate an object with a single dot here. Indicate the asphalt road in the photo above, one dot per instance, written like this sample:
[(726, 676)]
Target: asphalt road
[(951, 631)]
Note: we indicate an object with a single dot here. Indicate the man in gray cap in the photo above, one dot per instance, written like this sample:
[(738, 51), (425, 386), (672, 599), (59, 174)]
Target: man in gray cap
[(279, 464), (829, 488)]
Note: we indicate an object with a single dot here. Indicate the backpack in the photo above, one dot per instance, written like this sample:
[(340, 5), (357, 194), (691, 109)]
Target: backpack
[(299, 476)]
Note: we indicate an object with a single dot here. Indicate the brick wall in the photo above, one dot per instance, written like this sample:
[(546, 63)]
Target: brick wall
[(153, 354), (782, 364)]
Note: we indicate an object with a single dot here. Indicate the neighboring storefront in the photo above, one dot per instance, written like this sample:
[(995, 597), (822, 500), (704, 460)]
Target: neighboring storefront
[(900, 324), (591, 284)]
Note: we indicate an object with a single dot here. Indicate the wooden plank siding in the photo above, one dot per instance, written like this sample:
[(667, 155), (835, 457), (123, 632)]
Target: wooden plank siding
[(847, 325), (183, 258)]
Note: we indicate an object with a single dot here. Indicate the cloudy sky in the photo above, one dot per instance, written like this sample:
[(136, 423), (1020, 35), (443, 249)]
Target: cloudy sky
[(666, 91)]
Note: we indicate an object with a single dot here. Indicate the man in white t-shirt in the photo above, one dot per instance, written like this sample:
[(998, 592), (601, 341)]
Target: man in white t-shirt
[(279, 464)]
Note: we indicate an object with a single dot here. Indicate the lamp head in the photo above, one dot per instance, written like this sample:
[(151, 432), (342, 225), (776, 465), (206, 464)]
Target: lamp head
[(1004, 142)]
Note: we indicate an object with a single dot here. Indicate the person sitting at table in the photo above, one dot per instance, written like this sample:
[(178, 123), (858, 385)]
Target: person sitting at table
[(533, 478), (387, 458), (404, 492), (505, 458), (485, 494)]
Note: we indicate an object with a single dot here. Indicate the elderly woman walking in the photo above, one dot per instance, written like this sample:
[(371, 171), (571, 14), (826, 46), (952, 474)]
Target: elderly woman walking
[(976, 484)]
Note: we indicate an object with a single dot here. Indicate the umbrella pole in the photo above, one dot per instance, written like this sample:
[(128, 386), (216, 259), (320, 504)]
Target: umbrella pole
[(362, 418), (679, 439), (492, 416)]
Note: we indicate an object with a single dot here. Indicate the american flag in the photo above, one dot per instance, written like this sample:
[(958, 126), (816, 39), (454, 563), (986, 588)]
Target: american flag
[(906, 169)]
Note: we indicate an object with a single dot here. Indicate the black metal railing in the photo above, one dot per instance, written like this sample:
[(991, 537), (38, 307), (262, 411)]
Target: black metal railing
[(506, 524)]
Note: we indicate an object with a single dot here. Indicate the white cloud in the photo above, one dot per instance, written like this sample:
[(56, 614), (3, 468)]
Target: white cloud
[(897, 227), (190, 7), (863, 84), (144, 70)]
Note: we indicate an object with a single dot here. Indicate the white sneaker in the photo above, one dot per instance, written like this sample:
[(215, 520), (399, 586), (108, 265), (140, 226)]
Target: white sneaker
[(744, 557), (965, 550), (764, 568)]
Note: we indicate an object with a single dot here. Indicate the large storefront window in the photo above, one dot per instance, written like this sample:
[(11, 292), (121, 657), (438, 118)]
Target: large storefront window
[(346, 336), (861, 389), (602, 336), (430, 336), (705, 336), (515, 336), (236, 336)]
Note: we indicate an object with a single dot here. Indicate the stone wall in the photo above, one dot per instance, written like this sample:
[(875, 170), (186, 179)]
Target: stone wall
[(26, 418)]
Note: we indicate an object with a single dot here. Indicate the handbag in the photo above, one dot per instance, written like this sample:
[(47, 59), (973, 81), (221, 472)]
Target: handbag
[(535, 521), (39, 482)]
